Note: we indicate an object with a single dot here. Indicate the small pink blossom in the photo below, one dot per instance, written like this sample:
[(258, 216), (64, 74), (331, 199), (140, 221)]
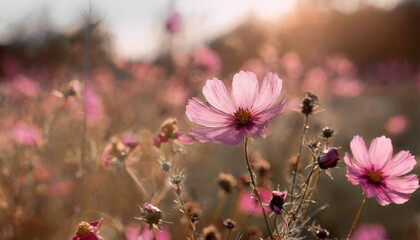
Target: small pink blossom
[(207, 59), (396, 124), (22, 85), (380, 174), (370, 232), (348, 87), (227, 119), (249, 204), (25, 134), (173, 22), (168, 131)]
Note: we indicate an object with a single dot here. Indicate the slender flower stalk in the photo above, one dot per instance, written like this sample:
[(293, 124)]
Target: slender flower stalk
[(276, 229), (312, 193), (357, 217), (184, 210), (139, 185), (154, 233), (254, 186), (305, 126)]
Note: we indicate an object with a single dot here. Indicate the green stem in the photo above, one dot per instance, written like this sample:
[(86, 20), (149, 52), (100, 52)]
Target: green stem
[(357, 217), (254, 186)]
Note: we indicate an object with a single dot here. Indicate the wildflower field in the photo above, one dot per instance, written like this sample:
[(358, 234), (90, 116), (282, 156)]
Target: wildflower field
[(304, 126)]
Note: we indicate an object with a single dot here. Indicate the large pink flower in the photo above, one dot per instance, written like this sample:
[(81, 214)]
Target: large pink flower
[(245, 113), (379, 173)]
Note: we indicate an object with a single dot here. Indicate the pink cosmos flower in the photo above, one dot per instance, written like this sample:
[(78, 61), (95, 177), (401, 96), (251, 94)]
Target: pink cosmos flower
[(207, 59), (379, 173), (25, 134), (227, 119), (370, 232), (249, 204)]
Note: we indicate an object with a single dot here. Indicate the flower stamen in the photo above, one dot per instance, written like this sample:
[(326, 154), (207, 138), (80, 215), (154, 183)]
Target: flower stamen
[(242, 117), (374, 177)]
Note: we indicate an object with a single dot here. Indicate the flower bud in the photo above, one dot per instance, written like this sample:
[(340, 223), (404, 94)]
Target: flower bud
[(328, 158), (229, 223), (211, 233), (308, 103), (226, 182), (277, 201), (327, 132), (150, 214), (322, 233)]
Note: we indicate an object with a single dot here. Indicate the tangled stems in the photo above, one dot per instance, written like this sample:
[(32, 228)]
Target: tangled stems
[(357, 217), (254, 186), (305, 126), (177, 190), (312, 194)]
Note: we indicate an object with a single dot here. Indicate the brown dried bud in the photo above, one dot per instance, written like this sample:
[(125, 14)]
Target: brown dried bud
[(194, 211), (254, 233), (327, 132), (226, 182), (211, 233), (229, 223)]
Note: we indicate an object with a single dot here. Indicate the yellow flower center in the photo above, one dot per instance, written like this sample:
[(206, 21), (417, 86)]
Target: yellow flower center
[(84, 229), (374, 177), (242, 117)]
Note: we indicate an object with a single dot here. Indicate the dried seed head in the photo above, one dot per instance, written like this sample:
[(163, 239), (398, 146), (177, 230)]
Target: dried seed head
[(194, 211), (84, 229), (308, 103), (226, 182), (254, 233), (229, 223), (211, 233), (327, 132), (322, 233)]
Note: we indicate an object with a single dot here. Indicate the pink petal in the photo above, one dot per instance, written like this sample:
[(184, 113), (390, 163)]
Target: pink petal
[(353, 164), (380, 151), (407, 184), (205, 115), (185, 138), (216, 94), (402, 163), (227, 135), (369, 189), (358, 148), (245, 89), (269, 93), (268, 114), (382, 196)]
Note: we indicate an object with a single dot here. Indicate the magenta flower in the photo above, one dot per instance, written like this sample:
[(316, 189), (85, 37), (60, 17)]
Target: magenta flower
[(88, 231), (249, 204), (173, 22), (370, 232), (277, 201), (227, 119), (328, 158), (379, 173)]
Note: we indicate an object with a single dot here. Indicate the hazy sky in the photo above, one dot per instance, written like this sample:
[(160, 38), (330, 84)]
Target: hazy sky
[(137, 26)]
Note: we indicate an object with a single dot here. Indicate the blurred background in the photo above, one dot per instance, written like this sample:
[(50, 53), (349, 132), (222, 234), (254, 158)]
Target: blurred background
[(136, 63)]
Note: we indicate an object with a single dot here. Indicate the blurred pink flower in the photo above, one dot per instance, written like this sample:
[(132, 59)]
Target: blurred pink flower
[(315, 81), (370, 232), (227, 119), (135, 233), (348, 87), (10, 65), (88, 231), (256, 66), (249, 204), (396, 124), (25, 134), (207, 59), (93, 104), (118, 149), (342, 66), (22, 85), (60, 189), (292, 64), (173, 22), (379, 173)]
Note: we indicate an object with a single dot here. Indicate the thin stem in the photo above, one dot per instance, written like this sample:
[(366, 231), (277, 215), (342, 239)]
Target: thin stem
[(276, 230), (154, 234), (312, 194), (137, 182), (306, 190), (357, 217), (184, 210), (220, 206), (254, 186), (299, 153), (229, 234)]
